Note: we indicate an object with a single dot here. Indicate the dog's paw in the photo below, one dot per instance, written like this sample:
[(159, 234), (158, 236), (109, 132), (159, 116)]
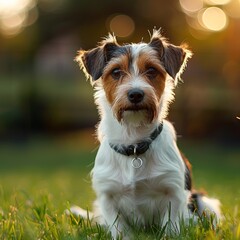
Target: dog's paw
[(77, 211)]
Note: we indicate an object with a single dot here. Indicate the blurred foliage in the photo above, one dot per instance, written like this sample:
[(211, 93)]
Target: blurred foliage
[(43, 91)]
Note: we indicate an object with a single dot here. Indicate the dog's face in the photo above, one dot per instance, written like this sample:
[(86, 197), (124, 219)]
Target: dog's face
[(134, 76)]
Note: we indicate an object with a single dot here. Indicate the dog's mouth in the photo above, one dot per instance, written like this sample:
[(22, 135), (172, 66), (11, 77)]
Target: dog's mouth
[(132, 109), (136, 113), (135, 108)]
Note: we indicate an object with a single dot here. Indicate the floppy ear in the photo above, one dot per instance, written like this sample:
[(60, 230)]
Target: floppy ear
[(93, 61), (174, 58)]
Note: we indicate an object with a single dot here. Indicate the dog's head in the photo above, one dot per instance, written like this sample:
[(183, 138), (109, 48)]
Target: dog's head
[(134, 76)]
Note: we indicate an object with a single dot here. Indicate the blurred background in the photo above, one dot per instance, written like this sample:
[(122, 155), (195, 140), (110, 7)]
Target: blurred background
[(47, 112), (43, 92)]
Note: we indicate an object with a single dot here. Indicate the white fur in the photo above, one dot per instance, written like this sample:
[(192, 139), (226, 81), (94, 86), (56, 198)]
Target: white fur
[(141, 196), (208, 206)]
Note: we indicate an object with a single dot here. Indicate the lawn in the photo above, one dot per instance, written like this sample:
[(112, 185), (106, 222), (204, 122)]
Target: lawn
[(41, 178)]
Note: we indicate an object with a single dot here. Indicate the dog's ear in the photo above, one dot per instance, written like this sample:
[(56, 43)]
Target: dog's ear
[(93, 61), (174, 58)]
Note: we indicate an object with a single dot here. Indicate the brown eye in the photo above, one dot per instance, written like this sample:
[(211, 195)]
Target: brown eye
[(116, 73), (151, 72)]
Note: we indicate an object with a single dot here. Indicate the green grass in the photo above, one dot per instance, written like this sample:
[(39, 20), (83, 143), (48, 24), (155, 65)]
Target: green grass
[(42, 178)]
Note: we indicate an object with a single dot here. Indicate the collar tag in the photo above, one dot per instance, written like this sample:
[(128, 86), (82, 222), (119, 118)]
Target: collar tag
[(137, 162)]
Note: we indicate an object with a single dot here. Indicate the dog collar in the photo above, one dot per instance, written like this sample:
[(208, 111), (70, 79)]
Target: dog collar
[(138, 148)]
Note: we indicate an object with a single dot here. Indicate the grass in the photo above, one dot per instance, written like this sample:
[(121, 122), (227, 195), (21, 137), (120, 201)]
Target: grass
[(42, 178)]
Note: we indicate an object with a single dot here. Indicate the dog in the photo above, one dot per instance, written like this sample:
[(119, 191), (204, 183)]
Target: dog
[(140, 177)]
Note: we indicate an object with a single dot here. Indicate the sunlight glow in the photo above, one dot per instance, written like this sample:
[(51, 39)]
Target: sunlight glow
[(13, 6), (208, 16), (233, 9), (218, 2), (13, 21), (191, 6), (13, 15), (213, 18)]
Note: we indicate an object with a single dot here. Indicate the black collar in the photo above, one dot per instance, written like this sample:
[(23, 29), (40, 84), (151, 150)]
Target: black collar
[(140, 147)]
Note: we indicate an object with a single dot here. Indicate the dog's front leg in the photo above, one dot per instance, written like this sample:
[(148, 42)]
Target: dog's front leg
[(170, 217), (176, 210), (112, 217)]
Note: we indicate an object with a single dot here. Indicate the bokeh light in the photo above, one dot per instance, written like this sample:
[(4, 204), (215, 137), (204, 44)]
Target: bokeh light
[(11, 24), (213, 18), (13, 6), (209, 15), (233, 9), (122, 25), (217, 2), (190, 6), (14, 15)]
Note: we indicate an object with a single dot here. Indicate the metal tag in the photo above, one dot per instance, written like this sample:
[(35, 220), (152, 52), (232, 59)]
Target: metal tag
[(137, 162)]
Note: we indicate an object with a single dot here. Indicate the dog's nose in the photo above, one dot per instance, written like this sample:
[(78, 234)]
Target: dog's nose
[(135, 95)]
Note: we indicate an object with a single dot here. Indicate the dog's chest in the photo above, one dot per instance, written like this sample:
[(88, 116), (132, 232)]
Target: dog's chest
[(142, 191), (143, 200), (141, 194)]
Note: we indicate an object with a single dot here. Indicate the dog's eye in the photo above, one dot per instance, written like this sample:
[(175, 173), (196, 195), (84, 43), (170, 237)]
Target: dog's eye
[(116, 73), (151, 72)]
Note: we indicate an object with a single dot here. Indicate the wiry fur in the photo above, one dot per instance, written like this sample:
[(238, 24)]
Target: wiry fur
[(126, 195)]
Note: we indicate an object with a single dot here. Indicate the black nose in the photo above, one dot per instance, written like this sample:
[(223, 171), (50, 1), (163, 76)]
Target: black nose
[(135, 95)]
